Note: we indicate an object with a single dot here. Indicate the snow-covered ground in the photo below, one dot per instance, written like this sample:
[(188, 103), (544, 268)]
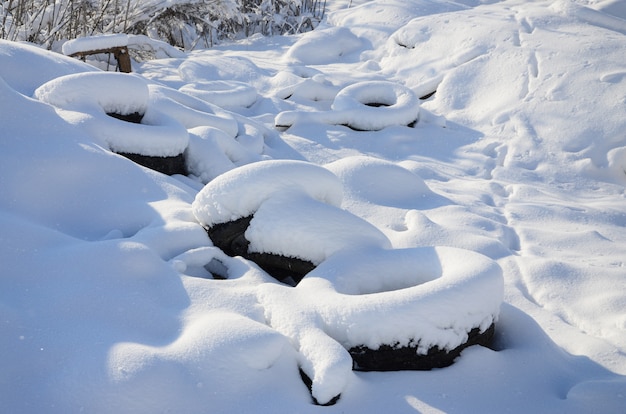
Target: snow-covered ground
[(499, 196)]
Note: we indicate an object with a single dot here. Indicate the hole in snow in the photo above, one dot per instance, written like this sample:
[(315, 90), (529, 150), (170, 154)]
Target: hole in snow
[(376, 104), (217, 269)]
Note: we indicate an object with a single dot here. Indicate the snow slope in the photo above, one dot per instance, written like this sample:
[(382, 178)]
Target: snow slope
[(504, 201)]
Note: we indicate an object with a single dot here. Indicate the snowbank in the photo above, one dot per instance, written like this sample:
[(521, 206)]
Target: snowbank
[(21, 66)]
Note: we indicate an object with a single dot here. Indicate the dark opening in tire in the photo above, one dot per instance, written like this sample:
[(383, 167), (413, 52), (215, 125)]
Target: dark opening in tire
[(134, 117), (376, 104), (428, 95)]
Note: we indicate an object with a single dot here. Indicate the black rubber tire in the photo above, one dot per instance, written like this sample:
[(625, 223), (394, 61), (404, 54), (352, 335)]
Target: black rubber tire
[(166, 165), (390, 358), (230, 238), (309, 384)]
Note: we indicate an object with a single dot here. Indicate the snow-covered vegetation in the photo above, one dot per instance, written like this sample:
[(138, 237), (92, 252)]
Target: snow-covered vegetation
[(187, 24), (444, 167)]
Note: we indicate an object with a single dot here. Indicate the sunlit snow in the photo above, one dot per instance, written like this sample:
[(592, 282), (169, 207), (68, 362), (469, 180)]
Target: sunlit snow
[(444, 165)]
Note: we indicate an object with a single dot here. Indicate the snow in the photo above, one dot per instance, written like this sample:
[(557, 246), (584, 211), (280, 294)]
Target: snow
[(21, 64), (222, 93), (111, 41), (91, 43), (96, 89), (294, 225), (504, 202), (324, 46)]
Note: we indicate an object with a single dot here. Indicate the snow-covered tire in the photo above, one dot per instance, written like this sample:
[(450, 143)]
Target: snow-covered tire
[(364, 106), (99, 101), (377, 105), (240, 210), (452, 301), (226, 206), (240, 192), (393, 358), (281, 213)]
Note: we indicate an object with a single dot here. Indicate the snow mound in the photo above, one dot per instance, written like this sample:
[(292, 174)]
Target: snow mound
[(225, 94), (218, 336), (21, 66), (300, 86), (324, 46), (190, 111), (376, 19), (201, 67), (295, 225), (87, 98), (366, 106), (212, 152), (240, 192), (368, 178)]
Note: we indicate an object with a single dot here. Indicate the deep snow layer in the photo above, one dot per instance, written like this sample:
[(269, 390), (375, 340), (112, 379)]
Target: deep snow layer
[(518, 159)]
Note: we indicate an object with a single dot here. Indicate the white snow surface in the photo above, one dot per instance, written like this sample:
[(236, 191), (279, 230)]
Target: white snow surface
[(87, 98), (110, 41), (504, 202), (93, 43)]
